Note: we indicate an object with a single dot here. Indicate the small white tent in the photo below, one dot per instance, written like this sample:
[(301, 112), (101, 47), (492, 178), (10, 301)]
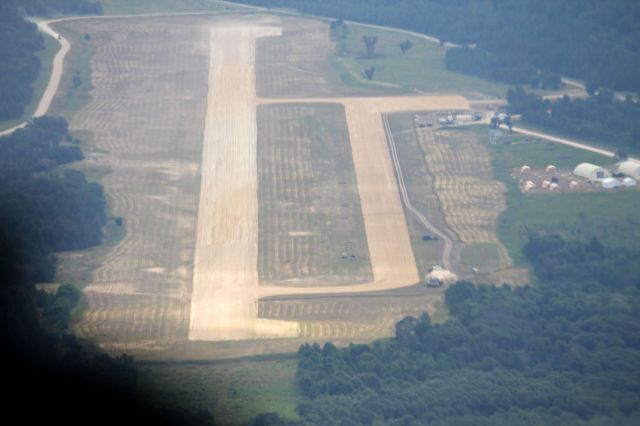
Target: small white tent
[(610, 183), (591, 172), (629, 182)]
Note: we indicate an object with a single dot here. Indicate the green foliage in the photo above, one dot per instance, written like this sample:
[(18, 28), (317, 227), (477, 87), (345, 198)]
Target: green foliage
[(60, 7), (19, 66), (19, 42), (598, 118), (370, 42), (588, 39), (566, 351), (50, 210), (406, 45)]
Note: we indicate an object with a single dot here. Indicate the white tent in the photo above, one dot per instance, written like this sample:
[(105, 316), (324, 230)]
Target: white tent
[(591, 172), (629, 182), (610, 183), (630, 168)]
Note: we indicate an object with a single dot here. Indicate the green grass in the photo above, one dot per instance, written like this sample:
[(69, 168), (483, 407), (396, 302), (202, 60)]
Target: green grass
[(609, 216), (421, 68), (69, 98), (609, 145), (45, 57), (606, 215), (121, 7), (233, 391), (517, 150), (307, 182), (485, 254)]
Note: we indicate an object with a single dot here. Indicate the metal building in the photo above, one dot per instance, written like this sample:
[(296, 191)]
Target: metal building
[(630, 168), (591, 172)]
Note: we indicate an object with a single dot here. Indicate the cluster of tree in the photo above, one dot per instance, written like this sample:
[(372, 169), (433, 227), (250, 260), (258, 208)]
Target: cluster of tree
[(51, 209), (370, 44), (405, 45), (598, 118), (19, 42), (339, 33), (19, 67), (492, 66), (588, 39), (566, 351)]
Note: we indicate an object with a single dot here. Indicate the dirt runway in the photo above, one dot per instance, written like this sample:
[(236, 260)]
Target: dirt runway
[(225, 280)]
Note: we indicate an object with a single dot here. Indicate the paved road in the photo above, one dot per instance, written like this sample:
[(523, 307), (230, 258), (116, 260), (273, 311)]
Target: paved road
[(430, 227), (567, 142)]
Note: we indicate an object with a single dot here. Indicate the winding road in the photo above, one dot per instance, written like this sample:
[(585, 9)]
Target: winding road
[(56, 74)]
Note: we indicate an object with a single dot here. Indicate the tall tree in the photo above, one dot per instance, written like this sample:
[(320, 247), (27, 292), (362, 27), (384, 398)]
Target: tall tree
[(370, 43)]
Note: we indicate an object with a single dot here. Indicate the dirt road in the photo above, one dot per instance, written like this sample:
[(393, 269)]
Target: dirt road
[(54, 80), (430, 227)]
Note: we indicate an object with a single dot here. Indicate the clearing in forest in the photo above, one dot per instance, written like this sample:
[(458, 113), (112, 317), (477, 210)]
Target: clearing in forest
[(220, 189)]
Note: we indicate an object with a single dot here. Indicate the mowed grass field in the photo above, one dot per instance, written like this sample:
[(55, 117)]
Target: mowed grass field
[(310, 219), (419, 181), (450, 179), (359, 318), (420, 69), (143, 130), (233, 391)]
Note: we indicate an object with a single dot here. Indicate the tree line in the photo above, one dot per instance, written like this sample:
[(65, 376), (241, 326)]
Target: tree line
[(565, 351), (517, 42), (598, 118), (52, 209)]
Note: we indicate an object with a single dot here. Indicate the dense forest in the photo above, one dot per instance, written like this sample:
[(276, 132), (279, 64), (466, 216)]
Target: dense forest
[(19, 67), (517, 42), (598, 118), (566, 351), (19, 42), (51, 209)]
